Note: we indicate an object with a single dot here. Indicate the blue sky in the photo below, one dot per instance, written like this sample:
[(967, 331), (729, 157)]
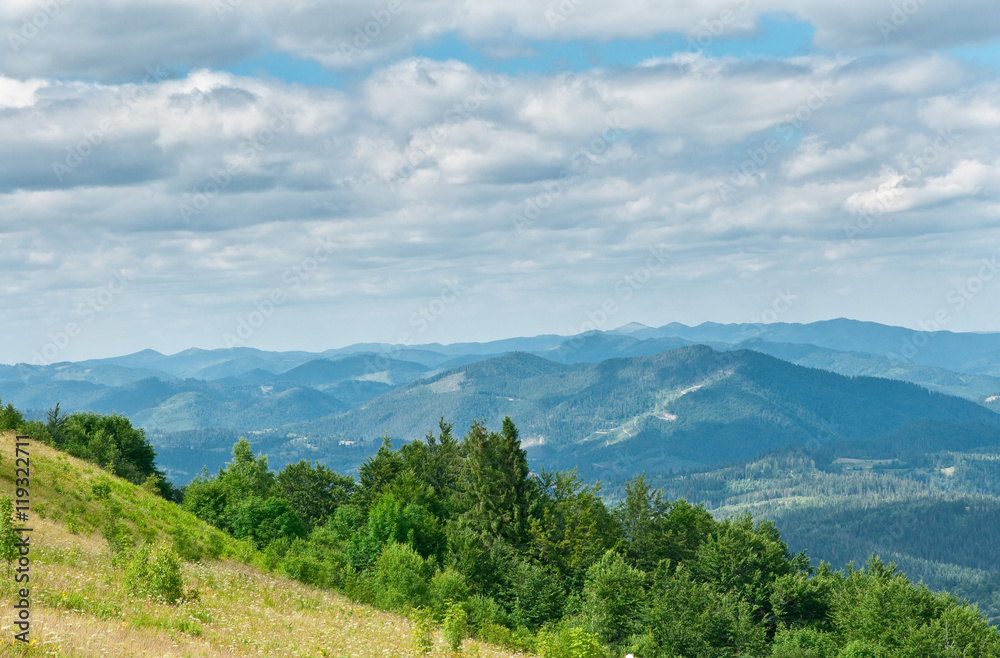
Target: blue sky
[(176, 174)]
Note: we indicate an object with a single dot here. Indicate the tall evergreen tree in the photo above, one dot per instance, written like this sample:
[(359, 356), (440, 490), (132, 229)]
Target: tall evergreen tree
[(498, 489)]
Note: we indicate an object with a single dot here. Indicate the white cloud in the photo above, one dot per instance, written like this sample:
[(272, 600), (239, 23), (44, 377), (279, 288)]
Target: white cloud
[(412, 175)]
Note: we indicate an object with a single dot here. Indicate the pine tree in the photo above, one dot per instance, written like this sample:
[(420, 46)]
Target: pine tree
[(498, 489)]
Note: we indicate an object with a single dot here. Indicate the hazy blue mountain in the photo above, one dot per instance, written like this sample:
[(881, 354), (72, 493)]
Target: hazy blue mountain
[(325, 372), (198, 409), (970, 386), (683, 408), (597, 346), (963, 352)]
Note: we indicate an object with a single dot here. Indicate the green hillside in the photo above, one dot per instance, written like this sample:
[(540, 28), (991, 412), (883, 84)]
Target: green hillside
[(234, 603)]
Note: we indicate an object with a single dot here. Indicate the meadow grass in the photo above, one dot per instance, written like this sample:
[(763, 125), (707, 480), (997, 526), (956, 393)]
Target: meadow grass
[(81, 604)]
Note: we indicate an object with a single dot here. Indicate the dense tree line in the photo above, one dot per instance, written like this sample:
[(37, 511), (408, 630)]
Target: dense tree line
[(540, 561), (108, 441), (919, 510)]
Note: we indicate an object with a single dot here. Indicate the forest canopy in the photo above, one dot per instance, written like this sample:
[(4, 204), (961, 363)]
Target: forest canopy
[(539, 561)]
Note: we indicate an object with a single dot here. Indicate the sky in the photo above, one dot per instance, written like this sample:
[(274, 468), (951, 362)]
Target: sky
[(302, 175)]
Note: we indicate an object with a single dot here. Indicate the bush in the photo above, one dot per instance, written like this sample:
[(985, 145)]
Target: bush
[(455, 626), (519, 640), (446, 587), (306, 569), (400, 576), (117, 534), (614, 598), (155, 573), (859, 649), (423, 630), (482, 611), (804, 643), (568, 643)]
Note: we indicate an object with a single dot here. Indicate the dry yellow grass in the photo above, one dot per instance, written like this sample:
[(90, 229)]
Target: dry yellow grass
[(81, 607)]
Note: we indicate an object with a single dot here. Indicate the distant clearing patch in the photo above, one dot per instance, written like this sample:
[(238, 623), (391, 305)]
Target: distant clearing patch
[(449, 384)]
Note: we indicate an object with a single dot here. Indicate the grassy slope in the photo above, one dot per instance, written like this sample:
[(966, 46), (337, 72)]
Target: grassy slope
[(81, 606)]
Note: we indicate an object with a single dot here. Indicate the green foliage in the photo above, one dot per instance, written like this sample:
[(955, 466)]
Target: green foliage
[(744, 558), (155, 572), (446, 588), (615, 599), (423, 630), (9, 537), (859, 649), (655, 529), (460, 533), (455, 626), (112, 443), (401, 576), (377, 473), (10, 418), (314, 492), (570, 527), (804, 643), (114, 530), (264, 521), (497, 487), (692, 618), (569, 643)]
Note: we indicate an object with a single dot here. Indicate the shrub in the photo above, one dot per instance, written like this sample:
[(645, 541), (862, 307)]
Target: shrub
[(804, 643), (568, 643), (446, 587), (614, 596), (400, 576), (519, 640), (423, 630), (155, 573), (8, 535), (482, 611), (114, 531), (455, 626), (306, 569), (859, 649)]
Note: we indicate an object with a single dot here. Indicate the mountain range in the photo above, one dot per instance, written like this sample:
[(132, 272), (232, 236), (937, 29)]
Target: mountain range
[(833, 428)]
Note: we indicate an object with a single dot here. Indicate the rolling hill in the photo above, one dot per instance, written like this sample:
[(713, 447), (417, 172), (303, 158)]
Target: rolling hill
[(684, 408), (82, 606)]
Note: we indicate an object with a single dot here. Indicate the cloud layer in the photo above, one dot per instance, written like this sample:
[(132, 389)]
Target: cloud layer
[(149, 209)]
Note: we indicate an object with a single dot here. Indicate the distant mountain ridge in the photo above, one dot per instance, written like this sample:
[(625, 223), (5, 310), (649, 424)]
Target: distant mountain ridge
[(684, 408), (226, 392)]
